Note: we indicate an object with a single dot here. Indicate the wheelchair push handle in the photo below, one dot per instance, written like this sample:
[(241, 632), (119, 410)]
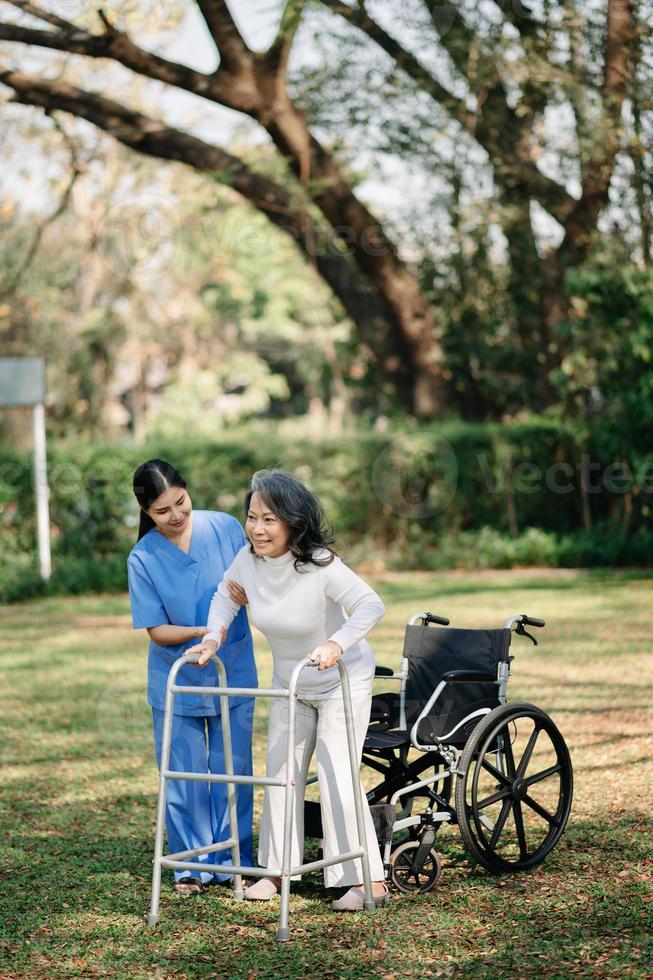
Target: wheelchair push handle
[(523, 621), (427, 618), (531, 621), (440, 620)]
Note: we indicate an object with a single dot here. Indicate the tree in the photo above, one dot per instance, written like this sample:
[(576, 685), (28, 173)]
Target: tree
[(507, 66), (319, 208), (501, 77), (206, 319)]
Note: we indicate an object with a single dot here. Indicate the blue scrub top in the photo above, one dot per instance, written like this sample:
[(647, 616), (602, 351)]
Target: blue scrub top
[(166, 585)]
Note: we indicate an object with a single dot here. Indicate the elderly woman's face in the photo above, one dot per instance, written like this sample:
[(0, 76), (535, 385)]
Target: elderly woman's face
[(269, 535)]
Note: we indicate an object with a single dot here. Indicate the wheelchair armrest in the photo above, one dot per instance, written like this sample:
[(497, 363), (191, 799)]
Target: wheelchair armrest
[(383, 672), (469, 677)]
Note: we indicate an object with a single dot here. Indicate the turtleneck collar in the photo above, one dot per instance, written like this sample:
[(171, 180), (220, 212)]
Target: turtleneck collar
[(284, 559)]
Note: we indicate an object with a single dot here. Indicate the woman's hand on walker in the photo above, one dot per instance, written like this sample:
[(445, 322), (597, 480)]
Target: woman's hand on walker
[(207, 648), (326, 655), (237, 593)]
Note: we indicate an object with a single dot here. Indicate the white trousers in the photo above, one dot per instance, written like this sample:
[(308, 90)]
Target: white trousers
[(320, 728)]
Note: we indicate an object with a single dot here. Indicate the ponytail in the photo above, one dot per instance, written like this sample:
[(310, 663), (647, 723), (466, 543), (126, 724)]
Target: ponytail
[(146, 524)]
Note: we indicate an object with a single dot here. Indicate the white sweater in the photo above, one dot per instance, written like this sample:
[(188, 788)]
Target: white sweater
[(298, 610)]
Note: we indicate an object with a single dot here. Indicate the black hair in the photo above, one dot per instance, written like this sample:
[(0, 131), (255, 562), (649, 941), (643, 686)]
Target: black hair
[(300, 509), (151, 479)]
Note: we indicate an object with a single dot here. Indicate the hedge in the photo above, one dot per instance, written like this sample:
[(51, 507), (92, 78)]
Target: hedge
[(466, 495)]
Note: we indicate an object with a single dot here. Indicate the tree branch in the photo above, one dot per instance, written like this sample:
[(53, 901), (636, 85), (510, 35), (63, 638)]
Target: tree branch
[(153, 138), (495, 126), (35, 11), (144, 133), (576, 82), (75, 171), (222, 27), (456, 37), (116, 45), (405, 60), (620, 36), (279, 51), (535, 37), (504, 132), (519, 15)]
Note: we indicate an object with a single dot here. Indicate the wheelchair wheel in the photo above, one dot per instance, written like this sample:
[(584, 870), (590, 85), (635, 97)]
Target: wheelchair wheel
[(409, 878), (514, 788)]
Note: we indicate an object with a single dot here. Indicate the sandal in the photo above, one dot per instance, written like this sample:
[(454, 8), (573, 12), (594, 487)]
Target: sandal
[(262, 891), (189, 886), (354, 900)]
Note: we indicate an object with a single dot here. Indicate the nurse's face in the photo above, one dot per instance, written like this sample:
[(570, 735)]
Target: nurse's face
[(267, 532), (171, 511)]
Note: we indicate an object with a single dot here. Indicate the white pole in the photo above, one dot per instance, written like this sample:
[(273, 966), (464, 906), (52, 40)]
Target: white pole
[(42, 492)]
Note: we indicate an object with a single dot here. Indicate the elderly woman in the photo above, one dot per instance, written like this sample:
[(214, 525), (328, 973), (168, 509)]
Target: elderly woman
[(297, 587)]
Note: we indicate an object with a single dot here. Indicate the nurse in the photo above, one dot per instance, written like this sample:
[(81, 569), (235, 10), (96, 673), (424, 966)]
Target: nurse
[(173, 570)]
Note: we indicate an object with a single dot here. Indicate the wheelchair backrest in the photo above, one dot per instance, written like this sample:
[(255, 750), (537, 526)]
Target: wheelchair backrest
[(431, 651)]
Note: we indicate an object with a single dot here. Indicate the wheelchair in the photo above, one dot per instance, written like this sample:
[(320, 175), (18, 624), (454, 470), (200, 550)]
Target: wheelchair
[(450, 748)]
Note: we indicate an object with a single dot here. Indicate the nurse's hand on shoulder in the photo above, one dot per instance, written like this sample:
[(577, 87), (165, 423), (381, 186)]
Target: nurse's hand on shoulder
[(207, 648), (237, 593), (326, 655)]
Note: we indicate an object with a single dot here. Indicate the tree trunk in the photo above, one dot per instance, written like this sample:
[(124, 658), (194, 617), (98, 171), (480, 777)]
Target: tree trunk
[(536, 312), (364, 236)]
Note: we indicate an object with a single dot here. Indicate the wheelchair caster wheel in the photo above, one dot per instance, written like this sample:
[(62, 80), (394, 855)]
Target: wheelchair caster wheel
[(409, 878)]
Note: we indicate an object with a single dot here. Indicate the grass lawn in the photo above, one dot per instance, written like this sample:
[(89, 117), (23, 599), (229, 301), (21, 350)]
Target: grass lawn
[(79, 787)]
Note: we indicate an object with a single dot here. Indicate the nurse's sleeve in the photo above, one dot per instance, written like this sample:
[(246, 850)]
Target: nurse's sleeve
[(364, 606), (223, 610), (147, 608)]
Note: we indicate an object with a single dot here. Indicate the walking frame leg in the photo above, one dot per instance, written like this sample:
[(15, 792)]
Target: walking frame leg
[(283, 932), (356, 783), (231, 788), (161, 811)]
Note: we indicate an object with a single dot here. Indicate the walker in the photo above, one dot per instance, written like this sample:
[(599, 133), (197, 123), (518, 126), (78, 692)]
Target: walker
[(182, 861)]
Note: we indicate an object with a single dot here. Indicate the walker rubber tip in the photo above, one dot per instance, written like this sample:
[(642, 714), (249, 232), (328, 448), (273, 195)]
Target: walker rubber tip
[(369, 906), (283, 935), (152, 920), (239, 896)]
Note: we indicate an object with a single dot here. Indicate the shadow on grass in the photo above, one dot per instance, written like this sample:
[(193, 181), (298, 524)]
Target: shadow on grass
[(76, 891)]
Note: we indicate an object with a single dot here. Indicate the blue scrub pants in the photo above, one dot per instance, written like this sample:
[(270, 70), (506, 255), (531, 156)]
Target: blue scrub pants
[(197, 813)]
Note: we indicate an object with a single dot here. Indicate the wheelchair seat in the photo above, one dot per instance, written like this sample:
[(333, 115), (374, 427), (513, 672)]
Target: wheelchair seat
[(379, 739)]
